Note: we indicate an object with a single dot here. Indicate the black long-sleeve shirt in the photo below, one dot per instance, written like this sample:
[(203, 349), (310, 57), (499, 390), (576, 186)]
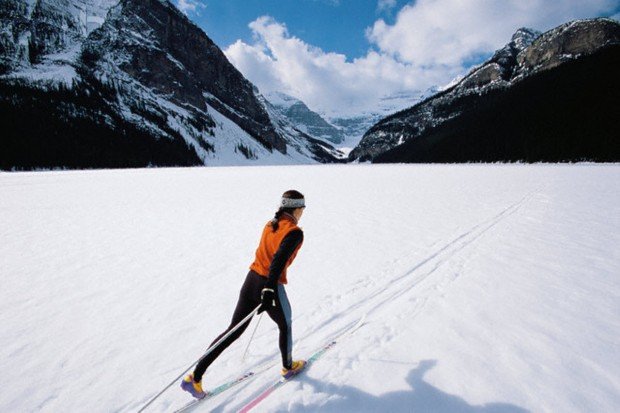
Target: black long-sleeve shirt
[(288, 245)]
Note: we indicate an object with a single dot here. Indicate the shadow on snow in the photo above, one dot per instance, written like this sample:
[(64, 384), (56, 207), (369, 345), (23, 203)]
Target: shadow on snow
[(421, 398)]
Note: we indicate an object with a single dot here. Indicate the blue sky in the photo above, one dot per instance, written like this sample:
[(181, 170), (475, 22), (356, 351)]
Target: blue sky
[(336, 26), (342, 56)]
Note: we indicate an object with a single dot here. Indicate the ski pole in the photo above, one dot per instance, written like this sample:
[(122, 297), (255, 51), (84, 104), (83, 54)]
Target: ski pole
[(260, 317), (209, 350)]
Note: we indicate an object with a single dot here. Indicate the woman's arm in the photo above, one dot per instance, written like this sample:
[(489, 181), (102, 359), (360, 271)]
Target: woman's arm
[(288, 245)]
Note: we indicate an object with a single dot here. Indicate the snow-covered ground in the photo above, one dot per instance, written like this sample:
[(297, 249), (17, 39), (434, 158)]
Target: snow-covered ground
[(486, 288)]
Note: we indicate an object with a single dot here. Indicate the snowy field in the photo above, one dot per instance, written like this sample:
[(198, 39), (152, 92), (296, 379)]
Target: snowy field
[(486, 288)]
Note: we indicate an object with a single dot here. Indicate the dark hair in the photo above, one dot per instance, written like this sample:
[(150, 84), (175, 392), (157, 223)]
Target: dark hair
[(291, 194)]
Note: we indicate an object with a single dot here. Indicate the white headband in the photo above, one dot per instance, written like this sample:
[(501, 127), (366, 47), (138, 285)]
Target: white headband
[(292, 203)]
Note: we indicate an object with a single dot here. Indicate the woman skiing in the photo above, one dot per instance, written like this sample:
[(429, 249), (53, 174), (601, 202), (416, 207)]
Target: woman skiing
[(264, 285)]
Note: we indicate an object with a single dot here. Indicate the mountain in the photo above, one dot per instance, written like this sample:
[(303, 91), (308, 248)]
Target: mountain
[(305, 119), (101, 83), (354, 127), (344, 131), (543, 97)]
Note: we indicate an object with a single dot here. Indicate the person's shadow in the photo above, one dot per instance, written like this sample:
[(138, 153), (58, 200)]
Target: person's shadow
[(421, 398)]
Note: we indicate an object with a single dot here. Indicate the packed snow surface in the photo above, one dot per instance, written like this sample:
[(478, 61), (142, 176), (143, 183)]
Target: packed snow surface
[(486, 288)]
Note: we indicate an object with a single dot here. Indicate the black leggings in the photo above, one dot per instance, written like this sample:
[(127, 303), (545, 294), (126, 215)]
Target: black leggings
[(249, 299)]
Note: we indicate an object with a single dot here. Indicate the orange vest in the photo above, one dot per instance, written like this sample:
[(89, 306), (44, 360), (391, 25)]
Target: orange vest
[(269, 244)]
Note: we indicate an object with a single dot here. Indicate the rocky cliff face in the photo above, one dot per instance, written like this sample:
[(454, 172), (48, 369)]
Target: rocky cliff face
[(148, 68), (32, 30), (155, 45), (500, 69), (565, 43), (528, 55)]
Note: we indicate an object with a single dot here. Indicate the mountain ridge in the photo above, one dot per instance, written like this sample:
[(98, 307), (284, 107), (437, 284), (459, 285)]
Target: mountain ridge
[(506, 69)]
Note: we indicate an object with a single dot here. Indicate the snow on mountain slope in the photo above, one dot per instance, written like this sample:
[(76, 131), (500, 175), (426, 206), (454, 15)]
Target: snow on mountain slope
[(49, 35), (355, 126), (303, 118), (487, 288), (234, 147), (343, 129), (170, 86)]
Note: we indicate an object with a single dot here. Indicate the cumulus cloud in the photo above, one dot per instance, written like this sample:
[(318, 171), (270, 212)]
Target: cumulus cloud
[(187, 6), (429, 44), (386, 5), (326, 81), (451, 32)]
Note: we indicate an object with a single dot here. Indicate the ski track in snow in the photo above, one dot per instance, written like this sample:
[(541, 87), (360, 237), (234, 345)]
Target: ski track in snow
[(486, 288), (403, 284)]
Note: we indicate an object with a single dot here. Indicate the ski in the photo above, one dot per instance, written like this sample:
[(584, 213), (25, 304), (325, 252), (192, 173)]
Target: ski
[(313, 358), (222, 388)]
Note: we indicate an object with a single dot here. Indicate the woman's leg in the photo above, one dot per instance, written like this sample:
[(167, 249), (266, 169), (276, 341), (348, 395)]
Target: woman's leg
[(249, 299), (282, 315)]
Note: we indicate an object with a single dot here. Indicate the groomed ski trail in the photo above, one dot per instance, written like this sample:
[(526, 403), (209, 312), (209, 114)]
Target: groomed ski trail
[(421, 272)]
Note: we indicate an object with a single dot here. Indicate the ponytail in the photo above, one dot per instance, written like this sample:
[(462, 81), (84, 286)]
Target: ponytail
[(277, 216)]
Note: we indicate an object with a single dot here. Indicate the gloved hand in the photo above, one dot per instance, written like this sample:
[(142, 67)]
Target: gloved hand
[(267, 298)]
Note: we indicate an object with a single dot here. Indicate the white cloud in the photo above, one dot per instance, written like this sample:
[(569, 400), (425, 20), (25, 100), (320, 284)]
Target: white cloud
[(187, 6), (325, 81), (449, 32), (430, 43), (386, 5)]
